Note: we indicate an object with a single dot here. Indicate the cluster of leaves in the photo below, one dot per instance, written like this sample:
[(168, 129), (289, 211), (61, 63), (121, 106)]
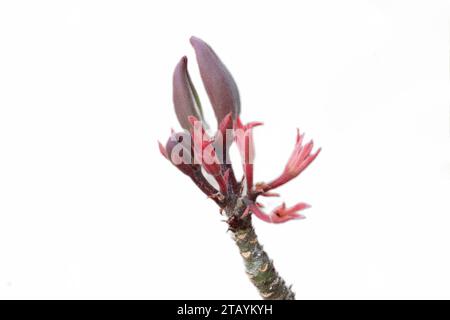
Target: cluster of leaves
[(199, 155)]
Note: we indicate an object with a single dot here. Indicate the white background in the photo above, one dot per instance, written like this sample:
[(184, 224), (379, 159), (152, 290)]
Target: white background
[(89, 208)]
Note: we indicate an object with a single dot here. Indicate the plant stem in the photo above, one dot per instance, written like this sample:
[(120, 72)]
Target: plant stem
[(258, 265)]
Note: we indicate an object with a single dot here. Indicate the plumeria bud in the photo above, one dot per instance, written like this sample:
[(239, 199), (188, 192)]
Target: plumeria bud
[(185, 97), (218, 81)]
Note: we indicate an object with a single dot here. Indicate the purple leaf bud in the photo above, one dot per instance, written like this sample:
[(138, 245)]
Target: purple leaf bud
[(219, 84), (185, 98)]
